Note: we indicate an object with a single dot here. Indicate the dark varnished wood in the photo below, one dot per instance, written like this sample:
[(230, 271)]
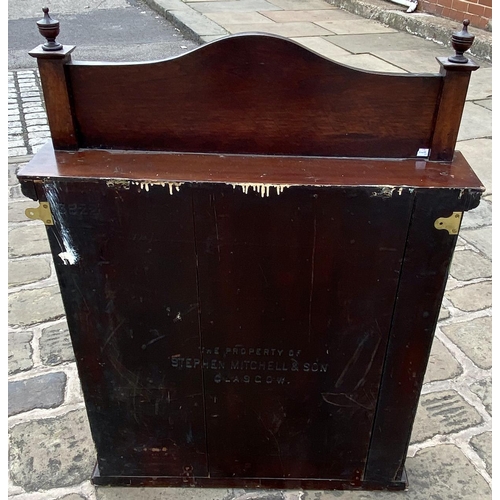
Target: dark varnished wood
[(240, 169), (253, 94), (245, 245)]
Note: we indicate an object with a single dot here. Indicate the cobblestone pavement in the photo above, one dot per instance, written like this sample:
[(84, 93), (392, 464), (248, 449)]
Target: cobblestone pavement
[(51, 454)]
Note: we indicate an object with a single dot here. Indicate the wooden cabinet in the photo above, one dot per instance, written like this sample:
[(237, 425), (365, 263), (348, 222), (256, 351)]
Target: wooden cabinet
[(244, 314)]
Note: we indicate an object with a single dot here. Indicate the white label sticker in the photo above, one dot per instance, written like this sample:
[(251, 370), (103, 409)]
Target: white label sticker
[(422, 152)]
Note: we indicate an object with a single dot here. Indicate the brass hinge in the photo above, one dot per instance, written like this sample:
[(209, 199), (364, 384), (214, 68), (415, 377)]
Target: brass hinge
[(451, 223), (42, 212)]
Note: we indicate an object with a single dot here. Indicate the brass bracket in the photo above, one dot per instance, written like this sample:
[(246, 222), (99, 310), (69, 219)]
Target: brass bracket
[(451, 223), (42, 212)]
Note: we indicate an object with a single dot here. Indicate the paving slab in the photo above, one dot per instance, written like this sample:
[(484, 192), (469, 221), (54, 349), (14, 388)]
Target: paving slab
[(321, 46), (226, 18), (44, 391), (473, 337), (356, 27), (474, 297), (413, 61), (368, 62), (442, 365), (37, 305), (481, 216), (231, 6), (482, 444), (481, 238), (52, 452), (482, 388), (27, 271), (288, 16), (302, 4), (284, 29), (478, 153), (371, 43), (476, 122), (468, 265), (20, 356), (443, 412), (55, 345), (28, 239), (163, 493)]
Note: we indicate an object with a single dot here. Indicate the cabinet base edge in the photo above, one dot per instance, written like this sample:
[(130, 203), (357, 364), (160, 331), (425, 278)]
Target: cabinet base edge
[(234, 482)]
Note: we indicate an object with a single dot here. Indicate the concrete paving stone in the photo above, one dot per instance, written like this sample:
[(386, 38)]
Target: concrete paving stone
[(482, 388), (20, 352), (35, 114), (442, 365), (485, 103), (413, 61), (55, 345), (28, 239), (479, 152), (359, 26), (197, 23), (72, 496), (263, 495), (14, 132), (302, 4), (17, 152), (227, 18), (321, 46), (467, 265), (481, 84), (480, 216), (16, 210), (104, 493), (443, 313), (45, 391), (36, 121), (38, 128), (480, 238), (371, 43), (368, 62), (16, 144), (232, 6), (36, 147), (284, 29), (15, 192), (12, 118), (476, 122), (442, 412), (290, 16), (473, 337), (482, 445), (51, 453), (474, 297), (439, 473), (26, 271), (32, 105), (29, 307)]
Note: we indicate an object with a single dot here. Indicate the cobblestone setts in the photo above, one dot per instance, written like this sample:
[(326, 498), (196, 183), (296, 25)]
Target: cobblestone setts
[(51, 454)]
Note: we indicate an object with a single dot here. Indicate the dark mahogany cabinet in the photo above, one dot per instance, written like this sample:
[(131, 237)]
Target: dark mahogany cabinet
[(254, 311)]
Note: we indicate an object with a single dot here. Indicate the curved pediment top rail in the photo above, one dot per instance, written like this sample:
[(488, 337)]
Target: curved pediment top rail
[(253, 93)]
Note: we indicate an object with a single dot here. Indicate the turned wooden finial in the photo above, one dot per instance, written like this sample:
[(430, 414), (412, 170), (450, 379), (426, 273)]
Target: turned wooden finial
[(49, 29), (461, 41)]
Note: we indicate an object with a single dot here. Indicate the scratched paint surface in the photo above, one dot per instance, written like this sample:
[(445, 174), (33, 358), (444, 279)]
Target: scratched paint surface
[(236, 331)]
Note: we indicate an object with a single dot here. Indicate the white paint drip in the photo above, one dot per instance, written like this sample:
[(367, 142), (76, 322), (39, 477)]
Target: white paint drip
[(263, 189), (69, 256)]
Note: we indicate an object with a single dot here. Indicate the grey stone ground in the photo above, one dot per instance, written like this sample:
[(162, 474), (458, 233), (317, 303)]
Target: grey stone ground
[(51, 454)]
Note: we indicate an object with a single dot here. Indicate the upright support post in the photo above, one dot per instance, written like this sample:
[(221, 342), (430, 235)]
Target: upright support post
[(51, 58), (456, 71)]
